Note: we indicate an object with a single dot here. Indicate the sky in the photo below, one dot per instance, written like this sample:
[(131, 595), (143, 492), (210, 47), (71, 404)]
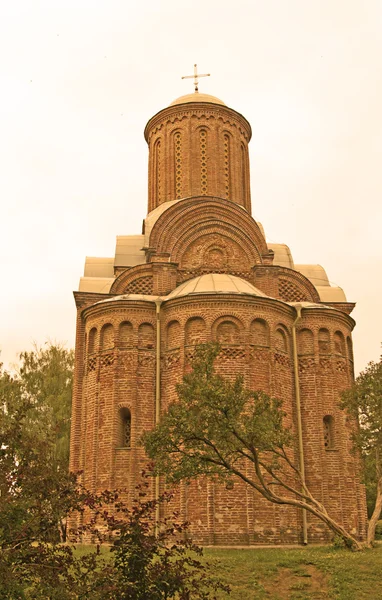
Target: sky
[(79, 81)]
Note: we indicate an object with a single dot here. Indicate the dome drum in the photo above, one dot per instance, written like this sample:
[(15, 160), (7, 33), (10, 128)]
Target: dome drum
[(198, 149)]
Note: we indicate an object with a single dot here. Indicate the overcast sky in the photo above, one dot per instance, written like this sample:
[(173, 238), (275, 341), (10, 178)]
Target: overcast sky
[(80, 79)]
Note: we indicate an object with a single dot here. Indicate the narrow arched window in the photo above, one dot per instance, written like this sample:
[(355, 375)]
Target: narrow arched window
[(124, 428), (328, 432)]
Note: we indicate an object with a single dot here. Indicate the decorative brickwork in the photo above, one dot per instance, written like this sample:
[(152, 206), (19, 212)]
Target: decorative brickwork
[(196, 149), (141, 285)]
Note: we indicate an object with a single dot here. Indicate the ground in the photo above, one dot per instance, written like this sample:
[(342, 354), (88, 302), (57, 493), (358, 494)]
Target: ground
[(312, 573), (298, 574)]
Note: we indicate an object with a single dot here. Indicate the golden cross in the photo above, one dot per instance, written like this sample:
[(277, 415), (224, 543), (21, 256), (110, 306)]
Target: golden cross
[(195, 76)]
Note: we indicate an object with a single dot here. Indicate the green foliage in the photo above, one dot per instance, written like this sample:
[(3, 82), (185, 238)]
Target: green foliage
[(220, 429), (216, 424), (378, 530), (34, 433), (149, 565), (364, 402), (37, 493)]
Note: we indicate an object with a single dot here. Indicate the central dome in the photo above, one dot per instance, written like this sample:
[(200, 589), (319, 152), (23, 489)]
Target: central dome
[(197, 97), (215, 283)]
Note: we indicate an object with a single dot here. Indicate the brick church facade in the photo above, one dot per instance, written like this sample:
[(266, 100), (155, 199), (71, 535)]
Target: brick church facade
[(202, 270)]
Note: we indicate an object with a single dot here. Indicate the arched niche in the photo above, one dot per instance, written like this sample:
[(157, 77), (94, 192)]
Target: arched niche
[(259, 333), (125, 335), (107, 337), (339, 343), (323, 341), (173, 335), (195, 331), (305, 341), (146, 336), (281, 339), (227, 333), (92, 340)]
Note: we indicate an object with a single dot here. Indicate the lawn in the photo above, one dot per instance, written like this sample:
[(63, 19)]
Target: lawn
[(294, 573), (299, 574)]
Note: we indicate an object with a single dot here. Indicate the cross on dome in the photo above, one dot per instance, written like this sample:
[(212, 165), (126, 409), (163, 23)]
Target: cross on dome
[(195, 77)]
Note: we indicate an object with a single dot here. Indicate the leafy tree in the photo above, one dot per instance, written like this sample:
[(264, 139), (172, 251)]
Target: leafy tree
[(37, 493), (364, 401), (35, 406), (218, 428)]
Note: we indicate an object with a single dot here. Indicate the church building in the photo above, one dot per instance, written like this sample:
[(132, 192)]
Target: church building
[(202, 270)]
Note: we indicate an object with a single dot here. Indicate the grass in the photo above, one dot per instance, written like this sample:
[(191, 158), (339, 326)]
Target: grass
[(299, 574), (312, 573)]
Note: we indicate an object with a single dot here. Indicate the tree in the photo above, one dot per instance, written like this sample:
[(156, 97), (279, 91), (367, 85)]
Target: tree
[(364, 402), (35, 406), (218, 428), (37, 492)]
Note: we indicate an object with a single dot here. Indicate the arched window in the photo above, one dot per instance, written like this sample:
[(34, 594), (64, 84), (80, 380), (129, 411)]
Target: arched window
[(259, 335), (146, 336), (339, 343), (305, 342), (328, 432), (125, 334), (124, 428), (92, 338), (195, 331), (107, 337), (227, 332), (173, 335), (324, 341)]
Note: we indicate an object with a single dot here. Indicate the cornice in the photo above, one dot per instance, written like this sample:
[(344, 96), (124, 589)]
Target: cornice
[(198, 109)]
